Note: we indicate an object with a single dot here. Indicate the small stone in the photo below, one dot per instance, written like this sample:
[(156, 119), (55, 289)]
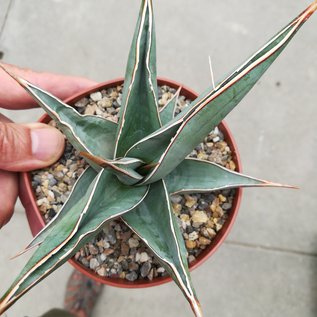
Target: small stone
[(211, 232), (93, 264), (91, 109), (144, 257), (176, 199), (59, 168), (199, 216), (102, 271), (105, 103), (133, 266), (232, 165), (226, 206), (122, 275), (111, 237), (190, 201), (190, 244), (222, 198), (218, 226), (191, 258), (218, 212), (133, 243), (177, 208), (137, 257), (131, 276), (85, 262), (96, 96), (151, 275), (103, 257), (119, 101), (216, 139), (52, 182), (213, 207), (203, 205), (92, 249), (62, 187), (202, 156), (82, 103), (160, 270), (145, 269), (124, 249), (184, 217), (108, 251), (193, 236), (204, 241), (126, 235), (104, 244)]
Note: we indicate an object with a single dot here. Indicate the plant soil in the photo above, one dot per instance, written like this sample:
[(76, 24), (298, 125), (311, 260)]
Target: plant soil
[(117, 251)]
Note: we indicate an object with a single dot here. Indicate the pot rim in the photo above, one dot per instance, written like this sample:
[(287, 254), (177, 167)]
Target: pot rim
[(36, 221)]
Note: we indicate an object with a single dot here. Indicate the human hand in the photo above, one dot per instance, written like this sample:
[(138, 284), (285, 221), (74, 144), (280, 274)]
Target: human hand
[(24, 147)]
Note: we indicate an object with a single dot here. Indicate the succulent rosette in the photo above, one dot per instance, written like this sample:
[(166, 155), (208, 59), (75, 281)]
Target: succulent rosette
[(135, 165)]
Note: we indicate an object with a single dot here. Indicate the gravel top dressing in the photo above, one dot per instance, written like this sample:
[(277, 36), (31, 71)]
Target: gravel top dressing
[(117, 251)]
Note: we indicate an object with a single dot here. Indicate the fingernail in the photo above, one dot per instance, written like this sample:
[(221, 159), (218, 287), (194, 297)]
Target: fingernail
[(47, 143)]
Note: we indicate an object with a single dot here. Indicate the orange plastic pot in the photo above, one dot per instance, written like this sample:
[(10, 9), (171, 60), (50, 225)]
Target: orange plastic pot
[(36, 220)]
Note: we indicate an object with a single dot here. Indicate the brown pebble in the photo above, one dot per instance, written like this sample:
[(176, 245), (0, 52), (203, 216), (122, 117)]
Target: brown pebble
[(190, 244), (108, 251), (133, 266), (177, 208), (150, 275), (124, 249), (199, 216), (204, 241)]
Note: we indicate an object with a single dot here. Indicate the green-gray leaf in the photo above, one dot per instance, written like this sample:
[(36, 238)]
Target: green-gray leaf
[(109, 200), (168, 111), (87, 133), (154, 221), (196, 176), (79, 190), (212, 106), (124, 169), (139, 111)]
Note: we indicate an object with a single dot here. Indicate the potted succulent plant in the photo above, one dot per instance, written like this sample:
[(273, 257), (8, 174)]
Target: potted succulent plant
[(202, 239), (136, 163)]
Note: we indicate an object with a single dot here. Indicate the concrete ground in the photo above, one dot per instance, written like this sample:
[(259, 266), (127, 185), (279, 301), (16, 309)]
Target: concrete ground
[(268, 266)]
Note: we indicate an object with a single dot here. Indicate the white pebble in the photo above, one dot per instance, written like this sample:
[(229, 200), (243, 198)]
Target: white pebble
[(193, 236), (96, 96), (160, 270), (93, 264), (144, 257)]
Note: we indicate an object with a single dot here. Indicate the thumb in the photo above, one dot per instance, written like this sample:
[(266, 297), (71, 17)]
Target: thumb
[(29, 146)]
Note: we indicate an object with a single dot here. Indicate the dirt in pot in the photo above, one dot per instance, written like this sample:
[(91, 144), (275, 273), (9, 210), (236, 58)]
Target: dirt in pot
[(117, 251)]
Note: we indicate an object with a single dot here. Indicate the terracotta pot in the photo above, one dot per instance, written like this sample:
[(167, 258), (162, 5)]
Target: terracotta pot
[(36, 220)]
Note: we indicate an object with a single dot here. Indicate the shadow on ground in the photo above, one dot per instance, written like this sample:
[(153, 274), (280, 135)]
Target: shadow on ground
[(313, 281)]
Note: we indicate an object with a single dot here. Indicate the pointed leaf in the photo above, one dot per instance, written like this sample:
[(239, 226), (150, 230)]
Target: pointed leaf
[(123, 168), (139, 111), (196, 176), (154, 222), (79, 190), (87, 133), (110, 199), (211, 107), (168, 111)]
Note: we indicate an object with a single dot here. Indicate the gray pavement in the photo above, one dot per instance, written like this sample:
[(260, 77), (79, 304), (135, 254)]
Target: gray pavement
[(268, 266)]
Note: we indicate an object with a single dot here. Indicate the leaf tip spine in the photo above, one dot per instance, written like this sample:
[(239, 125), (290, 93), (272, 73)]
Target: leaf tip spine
[(272, 184), (20, 80), (196, 307)]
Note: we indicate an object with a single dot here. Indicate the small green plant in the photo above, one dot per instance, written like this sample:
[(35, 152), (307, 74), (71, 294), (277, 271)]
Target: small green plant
[(136, 164)]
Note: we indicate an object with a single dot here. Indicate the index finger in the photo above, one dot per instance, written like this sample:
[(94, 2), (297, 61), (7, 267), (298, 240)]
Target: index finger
[(14, 97)]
